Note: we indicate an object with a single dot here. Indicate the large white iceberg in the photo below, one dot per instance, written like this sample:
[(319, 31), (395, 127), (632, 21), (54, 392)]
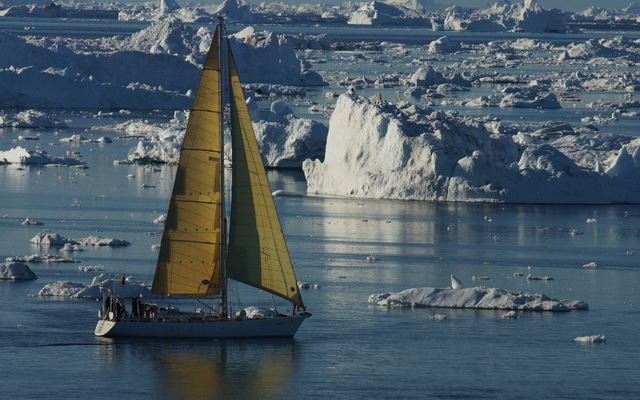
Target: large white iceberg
[(402, 152), (474, 298)]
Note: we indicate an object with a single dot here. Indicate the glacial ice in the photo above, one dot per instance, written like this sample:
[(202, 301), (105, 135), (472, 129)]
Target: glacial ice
[(474, 298), (16, 271), (48, 238), (403, 152)]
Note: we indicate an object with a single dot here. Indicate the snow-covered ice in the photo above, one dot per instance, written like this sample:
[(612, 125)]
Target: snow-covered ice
[(77, 290), (591, 339), (24, 156), (474, 298), (48, 238)]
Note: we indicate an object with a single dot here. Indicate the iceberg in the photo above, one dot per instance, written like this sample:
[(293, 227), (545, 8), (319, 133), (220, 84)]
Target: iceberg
[(42, 258), (285, 140), (16, 272), (77, 290), (23, 156), (48, 238), (402, 152), (479, 298)]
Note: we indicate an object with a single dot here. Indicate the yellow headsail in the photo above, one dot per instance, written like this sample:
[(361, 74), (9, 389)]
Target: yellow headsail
[(258, 254), (190, 261)]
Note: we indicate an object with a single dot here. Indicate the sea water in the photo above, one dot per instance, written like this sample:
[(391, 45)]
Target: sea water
[(347, 349)]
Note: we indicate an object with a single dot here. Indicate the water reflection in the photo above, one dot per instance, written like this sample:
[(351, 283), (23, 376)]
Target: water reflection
[(203, 369)]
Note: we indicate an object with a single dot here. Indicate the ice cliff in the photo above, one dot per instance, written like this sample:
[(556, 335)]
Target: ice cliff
[(403, 152)]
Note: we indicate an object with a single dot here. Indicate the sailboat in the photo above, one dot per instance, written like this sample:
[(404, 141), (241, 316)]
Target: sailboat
[(197, 255)]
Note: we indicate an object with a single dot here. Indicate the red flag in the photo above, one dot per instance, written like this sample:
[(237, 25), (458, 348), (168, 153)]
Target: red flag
[(122, 281)]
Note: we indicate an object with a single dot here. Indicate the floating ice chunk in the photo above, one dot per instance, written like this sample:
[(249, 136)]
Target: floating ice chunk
[(591, 220), (16, 272), (42, 258), (48, 238), (20, 155), (591, 339), (455, 283), (161, 219), (438, 317), (101, 241), (592, 264), (29, 221), (303, 285), (480, 278), (155, 247), (61, 288), (474, 298), (539, 278), (372, 258), (91, 268), (74, 139), (68, 247), (316, 286), (443, 45), (511, 315)]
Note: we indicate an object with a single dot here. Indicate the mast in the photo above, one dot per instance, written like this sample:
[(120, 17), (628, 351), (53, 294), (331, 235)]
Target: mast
[(223, 220)]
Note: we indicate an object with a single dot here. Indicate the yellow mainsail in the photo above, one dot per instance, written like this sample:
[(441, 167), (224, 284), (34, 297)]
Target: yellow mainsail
[(257, 252), (190, 261)]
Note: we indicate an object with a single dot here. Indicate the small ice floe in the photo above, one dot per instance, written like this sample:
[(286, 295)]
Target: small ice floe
[(61, 289), (372, 258), (480, 278), (91, 268), (20, 155), (42, 258), (303, 285), (455, 283), (147, 186), (16, 272), (631, 252), (591, 220), (77, 290), (48, 238), (474, 298), (591, 264), (488, 218), (438, 317), (575, 232), (69, 248), (518, 274), (74, 139), (161, 219), (539, 278), (591, 339), (29, 221), (131, 176), (26, 137), (510, 315), (76, 203), (316, 286), (155, 247)]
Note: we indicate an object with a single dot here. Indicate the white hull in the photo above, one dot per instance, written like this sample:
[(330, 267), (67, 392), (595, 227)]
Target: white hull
[(272, 327)]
